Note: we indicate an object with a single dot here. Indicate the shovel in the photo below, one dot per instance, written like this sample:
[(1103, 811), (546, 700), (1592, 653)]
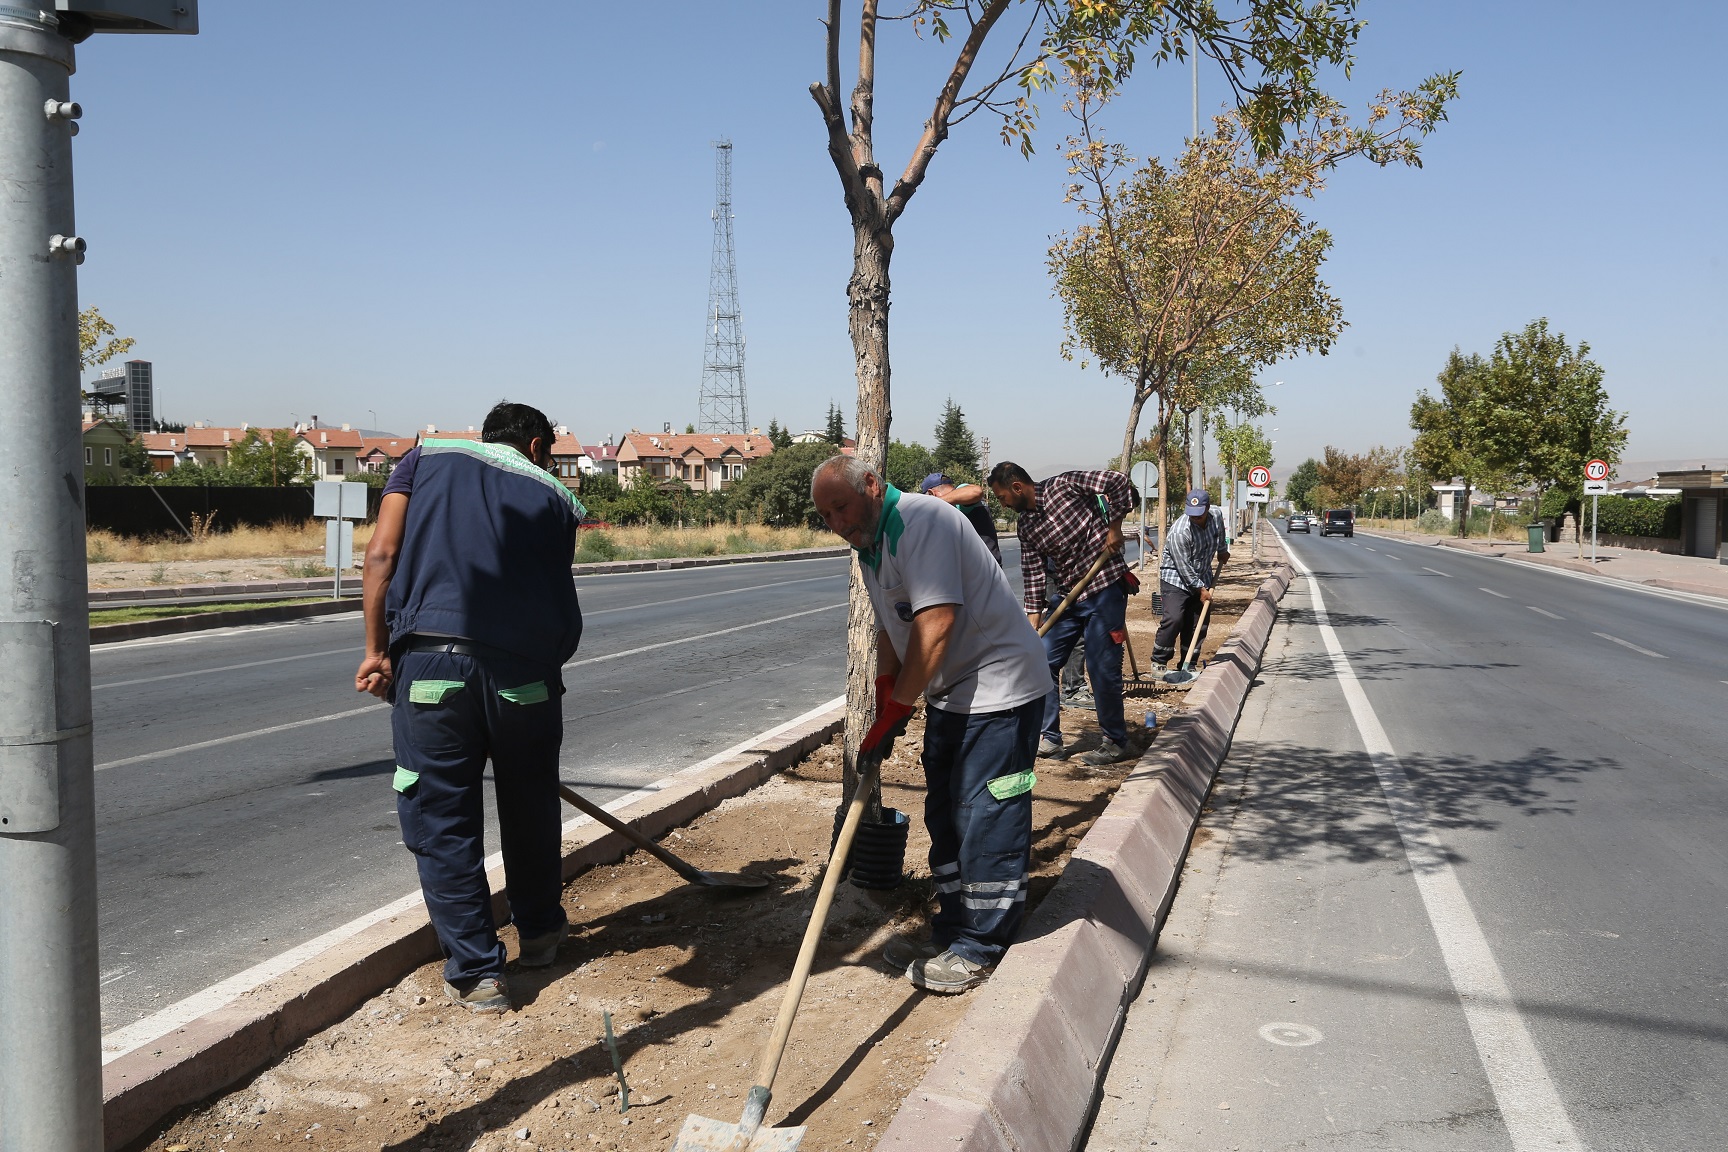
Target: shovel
[(683, 867), (701, 1134), (1074, 594)]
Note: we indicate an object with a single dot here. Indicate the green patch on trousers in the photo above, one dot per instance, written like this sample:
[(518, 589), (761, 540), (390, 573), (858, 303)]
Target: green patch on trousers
[(404, 779), (1016, 784), (433, 691), (534, 693)]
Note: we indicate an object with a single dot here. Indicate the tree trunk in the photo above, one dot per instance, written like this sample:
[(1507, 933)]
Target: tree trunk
[(867, 318)]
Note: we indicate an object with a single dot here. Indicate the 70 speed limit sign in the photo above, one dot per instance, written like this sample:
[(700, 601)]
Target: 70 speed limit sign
[(1262, 477), (1596, 470)]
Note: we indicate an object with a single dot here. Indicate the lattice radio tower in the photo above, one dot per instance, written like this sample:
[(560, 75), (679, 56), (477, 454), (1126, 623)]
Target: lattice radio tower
[(723, 408)]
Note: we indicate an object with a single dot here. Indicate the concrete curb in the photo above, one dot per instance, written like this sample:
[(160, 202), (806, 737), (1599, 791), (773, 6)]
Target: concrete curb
[(214, 591), (1023, 1071), (198, 622), (232, 1042)]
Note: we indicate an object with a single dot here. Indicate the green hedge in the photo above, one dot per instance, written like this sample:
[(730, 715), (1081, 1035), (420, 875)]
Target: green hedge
[(1638, 516)]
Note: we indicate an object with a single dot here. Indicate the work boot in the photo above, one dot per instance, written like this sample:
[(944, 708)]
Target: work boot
[(1108, 752), (901, 951), (1049, 748), (487, 995), (946, 973), (540, 951), (1079, 700)]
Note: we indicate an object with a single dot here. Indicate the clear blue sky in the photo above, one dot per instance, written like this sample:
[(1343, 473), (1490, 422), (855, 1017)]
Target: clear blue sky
[(419, 208)]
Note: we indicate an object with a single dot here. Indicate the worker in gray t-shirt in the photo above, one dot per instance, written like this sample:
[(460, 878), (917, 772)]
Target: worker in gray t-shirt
[(950, 629)]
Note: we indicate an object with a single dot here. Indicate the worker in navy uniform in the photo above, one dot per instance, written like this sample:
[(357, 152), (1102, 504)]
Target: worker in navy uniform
[(471, 614)]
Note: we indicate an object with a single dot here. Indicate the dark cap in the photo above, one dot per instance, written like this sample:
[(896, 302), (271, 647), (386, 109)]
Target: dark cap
[(1199, 503), (934, 480)]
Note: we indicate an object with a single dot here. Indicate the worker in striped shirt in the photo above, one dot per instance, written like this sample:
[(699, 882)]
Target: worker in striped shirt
[(1186, 576)]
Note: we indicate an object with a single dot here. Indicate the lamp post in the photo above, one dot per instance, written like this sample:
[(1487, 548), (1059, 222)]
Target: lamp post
[(50, 1018)]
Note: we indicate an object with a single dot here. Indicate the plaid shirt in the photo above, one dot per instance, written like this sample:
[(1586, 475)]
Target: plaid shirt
[(1065, 532), (1188, 552)]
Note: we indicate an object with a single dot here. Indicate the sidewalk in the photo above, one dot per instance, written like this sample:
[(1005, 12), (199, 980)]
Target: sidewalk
[(1696, 574)]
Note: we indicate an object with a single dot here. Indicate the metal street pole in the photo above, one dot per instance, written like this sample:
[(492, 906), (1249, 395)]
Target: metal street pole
[(1595, 505), (50, 1023), (50, 1002)]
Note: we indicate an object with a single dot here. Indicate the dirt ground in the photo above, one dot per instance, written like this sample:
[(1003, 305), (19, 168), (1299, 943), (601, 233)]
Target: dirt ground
[(692, 980), (144, 574)]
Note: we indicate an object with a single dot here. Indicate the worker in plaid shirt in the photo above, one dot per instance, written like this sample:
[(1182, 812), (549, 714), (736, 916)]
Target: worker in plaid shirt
[(1064, 523)]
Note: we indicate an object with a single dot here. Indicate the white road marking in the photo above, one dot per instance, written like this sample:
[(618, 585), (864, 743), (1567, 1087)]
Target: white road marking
[(223, 668), (1544, 612), (238, 736), (703, 636), (134, 1036), (1389, 555), (1491, 592), (1629, 644), (310, 720), (1436, 571), (1370, 547), (1529, 1104), (1717, 602)]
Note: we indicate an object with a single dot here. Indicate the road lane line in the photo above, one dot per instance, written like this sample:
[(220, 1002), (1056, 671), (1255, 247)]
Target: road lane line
[(1629, 644), (1491, 592), (703, 636), (223, 668), (1436, 571), (1370, 547), (1529, 1104), (238, 736), (1545, 612), (181, 1013), (1389, 555)]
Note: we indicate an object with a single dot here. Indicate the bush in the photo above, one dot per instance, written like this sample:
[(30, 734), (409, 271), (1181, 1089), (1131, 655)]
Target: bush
[(1432, 520), (593, 547), (1637, 516)]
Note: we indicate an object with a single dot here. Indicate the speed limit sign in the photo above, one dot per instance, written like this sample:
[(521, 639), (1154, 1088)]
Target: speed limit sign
[(1596, 470), (1259, 477)]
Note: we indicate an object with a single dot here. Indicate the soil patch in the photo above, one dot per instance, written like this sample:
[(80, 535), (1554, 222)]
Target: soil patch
[(692, 980)]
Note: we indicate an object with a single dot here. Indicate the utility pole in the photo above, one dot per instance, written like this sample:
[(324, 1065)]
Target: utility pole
[(50, 1003), (1197, 417), (722, 404)]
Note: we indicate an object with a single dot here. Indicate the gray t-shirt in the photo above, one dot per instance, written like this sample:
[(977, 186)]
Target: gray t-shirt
[(930, 555)]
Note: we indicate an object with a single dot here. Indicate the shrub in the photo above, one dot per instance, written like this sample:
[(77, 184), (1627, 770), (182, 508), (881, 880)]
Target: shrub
[(1432, 520), (595, 546), (1637, 516)]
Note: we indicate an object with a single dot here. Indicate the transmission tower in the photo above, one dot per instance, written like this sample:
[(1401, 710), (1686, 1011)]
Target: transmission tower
[(723, 408)]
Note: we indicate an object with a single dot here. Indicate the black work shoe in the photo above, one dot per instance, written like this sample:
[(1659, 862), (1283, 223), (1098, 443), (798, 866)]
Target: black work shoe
[(1049, 749), (1108, 752), (487, 995), (947, 973), (902, 951), (540, 951)]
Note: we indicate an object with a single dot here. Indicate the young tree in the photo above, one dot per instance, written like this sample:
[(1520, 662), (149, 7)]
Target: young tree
[(1345, 476), (1450, 439), (1212, 268), (1241, 446), (956, 450), (92, 328), (1270, 54), (776, 489), (1301, 487), (775, 432), (907, 465)]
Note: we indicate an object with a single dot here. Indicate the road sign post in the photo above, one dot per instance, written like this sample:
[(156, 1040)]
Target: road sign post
[(50, 1001), (339, 504), (1595, 484), (1259, 485), (1145, 477)]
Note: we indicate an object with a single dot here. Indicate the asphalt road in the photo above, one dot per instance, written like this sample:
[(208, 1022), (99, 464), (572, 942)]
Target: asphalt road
[(282, 824), (1504, 929)]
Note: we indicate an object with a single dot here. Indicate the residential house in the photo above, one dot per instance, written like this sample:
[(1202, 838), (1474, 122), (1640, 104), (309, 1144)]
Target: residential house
[(818, 436), (701, 461), (333, 452), (103, 444), (1703, 510), (602, 458), (167, 450), (382, 453)]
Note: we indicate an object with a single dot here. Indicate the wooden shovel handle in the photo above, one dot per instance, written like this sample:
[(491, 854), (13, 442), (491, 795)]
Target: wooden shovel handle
[(1074, 593), (589, 808), (1201, 623)]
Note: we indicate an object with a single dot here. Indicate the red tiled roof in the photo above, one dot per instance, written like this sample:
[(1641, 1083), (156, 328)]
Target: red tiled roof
[(710, 445), (332, 438), (394, 447)]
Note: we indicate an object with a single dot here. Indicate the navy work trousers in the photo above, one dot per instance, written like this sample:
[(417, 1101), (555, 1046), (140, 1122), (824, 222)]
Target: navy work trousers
[(1176, 626), (453, 713), (1095, 618), (980, 846)]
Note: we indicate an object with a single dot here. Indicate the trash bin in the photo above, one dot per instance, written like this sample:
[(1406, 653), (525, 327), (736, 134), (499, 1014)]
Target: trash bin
[(1538, 537)]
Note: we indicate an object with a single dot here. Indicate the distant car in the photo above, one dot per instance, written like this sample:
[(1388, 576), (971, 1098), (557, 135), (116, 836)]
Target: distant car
[(1338, 522), (1299, 523)]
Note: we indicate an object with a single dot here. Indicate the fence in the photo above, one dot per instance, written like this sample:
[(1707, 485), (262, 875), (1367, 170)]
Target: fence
[(143, 510)]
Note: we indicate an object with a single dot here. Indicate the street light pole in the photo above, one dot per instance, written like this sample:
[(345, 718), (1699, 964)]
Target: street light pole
[(50, 1018)]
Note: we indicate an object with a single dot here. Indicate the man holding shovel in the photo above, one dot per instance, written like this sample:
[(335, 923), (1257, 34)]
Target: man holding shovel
[(1185, 577), (470, 614), (1066, 523), (948, 629)]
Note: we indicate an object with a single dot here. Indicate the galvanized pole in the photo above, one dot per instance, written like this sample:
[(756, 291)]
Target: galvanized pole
[(1595, 506), (50, 1023)]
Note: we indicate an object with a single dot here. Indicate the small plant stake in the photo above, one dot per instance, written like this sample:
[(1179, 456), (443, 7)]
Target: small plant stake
[(617, 1064)]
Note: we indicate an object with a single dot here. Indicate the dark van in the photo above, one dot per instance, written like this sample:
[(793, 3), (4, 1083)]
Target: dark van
[(1338, 522)]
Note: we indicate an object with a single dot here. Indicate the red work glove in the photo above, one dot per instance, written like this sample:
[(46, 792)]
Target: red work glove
[(891, 715)]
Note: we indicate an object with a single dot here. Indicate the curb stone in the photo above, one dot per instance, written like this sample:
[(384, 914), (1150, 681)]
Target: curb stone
[(1023, 1070), (232, 1042), (201, 621)]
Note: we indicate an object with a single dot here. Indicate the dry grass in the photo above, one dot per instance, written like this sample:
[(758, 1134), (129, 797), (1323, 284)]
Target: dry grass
[(284, 539), (665, 543)]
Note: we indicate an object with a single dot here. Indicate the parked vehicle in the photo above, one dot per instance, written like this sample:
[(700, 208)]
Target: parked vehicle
[(1338, 522), (1298, 522)]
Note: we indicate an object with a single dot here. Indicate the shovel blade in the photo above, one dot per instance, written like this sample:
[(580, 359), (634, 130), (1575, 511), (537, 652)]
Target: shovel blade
[(730, 880), (1180, 676), (701, 1134)]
